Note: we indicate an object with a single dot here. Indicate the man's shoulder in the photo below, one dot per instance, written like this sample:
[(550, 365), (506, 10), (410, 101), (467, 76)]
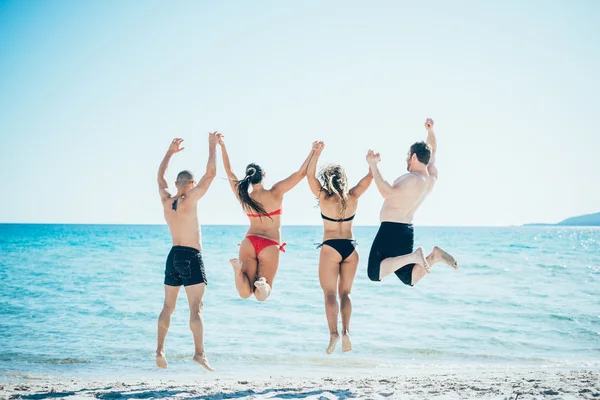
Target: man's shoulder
[(410, 178)]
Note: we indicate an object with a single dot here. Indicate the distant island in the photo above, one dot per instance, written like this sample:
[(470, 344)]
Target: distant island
[(582, 220)]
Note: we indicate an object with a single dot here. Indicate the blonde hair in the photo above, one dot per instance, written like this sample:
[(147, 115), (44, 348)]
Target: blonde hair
[(335, 182)]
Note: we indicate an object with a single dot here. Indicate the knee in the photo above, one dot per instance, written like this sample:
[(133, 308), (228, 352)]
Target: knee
[(167, 309), (196, 308), (344, 295), (245, 295), (330, 297)]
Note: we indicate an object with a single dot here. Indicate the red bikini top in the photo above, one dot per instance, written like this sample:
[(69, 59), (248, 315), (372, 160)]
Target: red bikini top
[(276, 212)]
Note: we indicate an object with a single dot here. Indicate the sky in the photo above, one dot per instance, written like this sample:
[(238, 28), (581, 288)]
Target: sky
[(92, 93)]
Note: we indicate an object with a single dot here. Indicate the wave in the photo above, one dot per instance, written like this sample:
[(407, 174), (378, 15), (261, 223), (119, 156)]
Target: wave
[(33, 359)]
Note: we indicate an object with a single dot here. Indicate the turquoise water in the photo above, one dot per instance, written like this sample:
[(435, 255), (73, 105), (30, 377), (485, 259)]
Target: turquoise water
[(82, 300)]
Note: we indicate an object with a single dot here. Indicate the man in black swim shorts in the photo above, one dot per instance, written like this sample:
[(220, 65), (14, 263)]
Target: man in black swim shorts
[(184, 264), (392, 249)]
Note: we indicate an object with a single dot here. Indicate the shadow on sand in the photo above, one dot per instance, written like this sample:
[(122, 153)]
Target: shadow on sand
[(111, 393)]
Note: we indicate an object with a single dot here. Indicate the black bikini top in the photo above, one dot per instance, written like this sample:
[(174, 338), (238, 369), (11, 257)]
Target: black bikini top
[(338, 220)]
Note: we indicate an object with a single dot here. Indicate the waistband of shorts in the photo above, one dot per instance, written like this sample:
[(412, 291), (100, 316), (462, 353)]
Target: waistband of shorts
[(398, 224), (185, 248)]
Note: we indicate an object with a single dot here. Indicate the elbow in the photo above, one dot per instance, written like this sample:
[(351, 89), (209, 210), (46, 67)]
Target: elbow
[(386, 194), (211, 173)]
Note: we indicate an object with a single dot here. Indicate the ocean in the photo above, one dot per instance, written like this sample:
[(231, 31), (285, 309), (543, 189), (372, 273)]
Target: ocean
[(83, 301)]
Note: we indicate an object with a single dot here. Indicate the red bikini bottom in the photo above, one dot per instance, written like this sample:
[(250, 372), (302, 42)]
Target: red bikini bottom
[(260, 243)]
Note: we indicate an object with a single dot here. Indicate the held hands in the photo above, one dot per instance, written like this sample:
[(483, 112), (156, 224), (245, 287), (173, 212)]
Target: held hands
[(174, 146), (220, 137), (213, 138), (373, 158), (429, 124), (318, 146)]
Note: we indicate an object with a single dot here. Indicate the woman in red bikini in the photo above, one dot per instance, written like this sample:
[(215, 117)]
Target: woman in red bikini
[(259, 251), (339, 258)]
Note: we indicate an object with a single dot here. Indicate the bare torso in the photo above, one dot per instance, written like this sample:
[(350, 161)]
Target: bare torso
[(331, 207), (183, 222), (402, 205), (268, 227)]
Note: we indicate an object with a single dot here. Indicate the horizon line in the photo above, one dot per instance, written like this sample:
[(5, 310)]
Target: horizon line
[(283, 225)]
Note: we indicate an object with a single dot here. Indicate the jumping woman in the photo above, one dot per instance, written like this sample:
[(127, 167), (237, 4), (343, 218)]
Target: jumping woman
[(258, 260), (339, 258)]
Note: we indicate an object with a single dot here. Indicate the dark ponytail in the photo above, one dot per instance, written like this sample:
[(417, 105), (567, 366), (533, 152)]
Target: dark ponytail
[(254, 175)]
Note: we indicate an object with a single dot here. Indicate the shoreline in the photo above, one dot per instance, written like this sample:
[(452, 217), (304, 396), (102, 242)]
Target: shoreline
[(414, 384)]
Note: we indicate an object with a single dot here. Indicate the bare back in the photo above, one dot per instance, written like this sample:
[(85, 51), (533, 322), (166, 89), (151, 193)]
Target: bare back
[(402, 204), (268, 227), (332, 207), (183, 222)]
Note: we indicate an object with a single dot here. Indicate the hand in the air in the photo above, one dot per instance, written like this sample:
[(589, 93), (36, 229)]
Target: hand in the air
[(220, 137), (213, 138), (373, 158), (429, 124), (318, 146), (174, 146)]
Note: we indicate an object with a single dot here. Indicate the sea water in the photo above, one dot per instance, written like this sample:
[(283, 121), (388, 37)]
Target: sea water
[(83, 301)]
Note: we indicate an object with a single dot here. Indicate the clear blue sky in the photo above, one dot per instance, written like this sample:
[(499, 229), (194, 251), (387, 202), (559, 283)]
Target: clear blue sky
[(92, 92)]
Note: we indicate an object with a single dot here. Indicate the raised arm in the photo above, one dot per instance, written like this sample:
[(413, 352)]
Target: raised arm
[(288, 183), (384, 187), (362, 185), (432, 142), (163, 186), (311, 173), (231, 177), (211, 169)]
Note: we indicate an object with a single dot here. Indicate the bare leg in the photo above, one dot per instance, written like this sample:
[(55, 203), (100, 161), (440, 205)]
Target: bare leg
[(194, 295), (268, 262), (347, 274), (329, 271), (437, 255), (392, 264), (164, 321), (244, 269)]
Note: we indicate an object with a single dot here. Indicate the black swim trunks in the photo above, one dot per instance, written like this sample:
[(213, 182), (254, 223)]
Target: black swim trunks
[(184, 267), (393, 239)]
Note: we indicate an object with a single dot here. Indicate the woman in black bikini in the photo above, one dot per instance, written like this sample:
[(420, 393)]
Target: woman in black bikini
[(339, 258), (258, 261)]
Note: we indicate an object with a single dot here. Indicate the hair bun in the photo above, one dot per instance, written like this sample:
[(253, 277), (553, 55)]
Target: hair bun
[(251, 171)]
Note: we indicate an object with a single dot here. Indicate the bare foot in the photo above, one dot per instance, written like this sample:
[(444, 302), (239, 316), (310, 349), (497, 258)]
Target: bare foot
[(346, 344), (263, 289), (422, 260), (202, 360), (235, 263), (333, 339), (440, 255), (161, 360)]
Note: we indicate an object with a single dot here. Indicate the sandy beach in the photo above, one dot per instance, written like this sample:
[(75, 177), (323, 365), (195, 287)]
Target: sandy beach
[(536, 384)]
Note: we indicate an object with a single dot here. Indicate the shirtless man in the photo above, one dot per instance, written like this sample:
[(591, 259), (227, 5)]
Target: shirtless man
[(392, 250), (184, 263)]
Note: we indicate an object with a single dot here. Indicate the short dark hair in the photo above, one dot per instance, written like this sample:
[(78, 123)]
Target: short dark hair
[(422, 150), (184, 177)]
